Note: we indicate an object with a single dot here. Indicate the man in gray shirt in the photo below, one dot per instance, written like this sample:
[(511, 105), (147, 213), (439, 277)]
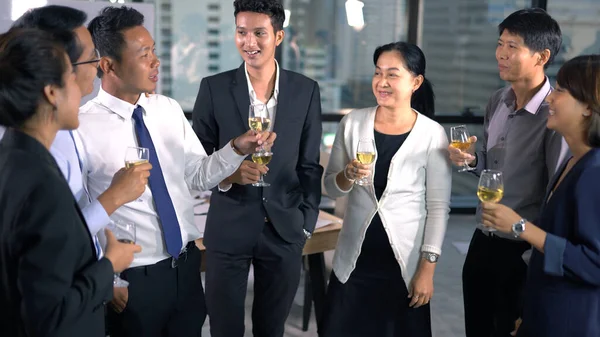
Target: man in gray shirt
[(516, 142)]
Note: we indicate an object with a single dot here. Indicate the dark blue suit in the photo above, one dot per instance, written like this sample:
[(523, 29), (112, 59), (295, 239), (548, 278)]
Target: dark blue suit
[(562, 295)]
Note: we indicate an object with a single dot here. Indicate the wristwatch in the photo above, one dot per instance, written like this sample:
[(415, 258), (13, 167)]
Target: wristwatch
[(519, 227), (430, 257), (307, 234)]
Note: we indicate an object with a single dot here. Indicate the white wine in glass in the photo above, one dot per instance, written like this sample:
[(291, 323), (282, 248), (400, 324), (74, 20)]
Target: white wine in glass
[(365, 154), (460, 139), (258, 118), (490, 188), (262, 158), (136, 156)]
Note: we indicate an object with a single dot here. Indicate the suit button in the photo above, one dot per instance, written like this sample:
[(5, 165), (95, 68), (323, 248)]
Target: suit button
[(264, 200)]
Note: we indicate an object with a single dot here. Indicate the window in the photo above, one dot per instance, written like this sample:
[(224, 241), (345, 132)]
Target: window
[(202, 45), (459, 40), (578, 20), (322, 45)]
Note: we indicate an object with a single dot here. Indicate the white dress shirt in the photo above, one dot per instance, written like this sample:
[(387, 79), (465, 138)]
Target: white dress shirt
[(271, 105), (107, 129), (415, 205)]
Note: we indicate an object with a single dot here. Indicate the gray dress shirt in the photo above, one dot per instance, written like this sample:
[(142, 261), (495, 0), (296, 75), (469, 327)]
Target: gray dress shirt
[(518, 143)]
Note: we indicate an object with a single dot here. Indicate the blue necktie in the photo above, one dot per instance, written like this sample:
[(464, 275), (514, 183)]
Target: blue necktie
[(94, 236), (156, 181)]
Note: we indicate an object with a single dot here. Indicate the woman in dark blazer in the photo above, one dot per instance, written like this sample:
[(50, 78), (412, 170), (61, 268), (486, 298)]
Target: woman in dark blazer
[(562, 295), (51, 282)]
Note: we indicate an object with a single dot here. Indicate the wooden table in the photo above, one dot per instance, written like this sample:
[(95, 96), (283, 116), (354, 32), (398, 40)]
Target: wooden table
[(323, 239)]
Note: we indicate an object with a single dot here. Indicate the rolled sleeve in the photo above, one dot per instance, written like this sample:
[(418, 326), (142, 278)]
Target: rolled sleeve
[(554, 251)]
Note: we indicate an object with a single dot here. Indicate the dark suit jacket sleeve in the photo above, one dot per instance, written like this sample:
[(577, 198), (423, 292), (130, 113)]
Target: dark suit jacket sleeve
[(578, 258), (203, 118), (308, 167), (56, 290)]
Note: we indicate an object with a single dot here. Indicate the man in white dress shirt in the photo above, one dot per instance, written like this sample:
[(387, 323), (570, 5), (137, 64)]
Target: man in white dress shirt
[(127, 185), (165, 295)]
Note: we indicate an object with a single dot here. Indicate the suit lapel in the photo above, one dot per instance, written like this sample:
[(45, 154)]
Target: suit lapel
[(239, 90), (284, 99), (554, 180)]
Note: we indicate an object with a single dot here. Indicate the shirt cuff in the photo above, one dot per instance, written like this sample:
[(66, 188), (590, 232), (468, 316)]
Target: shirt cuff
[(431, 249), (229, 155), (225, 188), (554, 252), (95, 217)]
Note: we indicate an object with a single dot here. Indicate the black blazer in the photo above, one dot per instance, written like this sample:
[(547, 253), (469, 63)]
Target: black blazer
[(236, 218), (51, 282)]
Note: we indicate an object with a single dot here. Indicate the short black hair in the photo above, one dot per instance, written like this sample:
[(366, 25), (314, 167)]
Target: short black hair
[(580, 76), (56, 19), (423, 99), (272, 8), (107, 30), (30, 59), (537, 28)]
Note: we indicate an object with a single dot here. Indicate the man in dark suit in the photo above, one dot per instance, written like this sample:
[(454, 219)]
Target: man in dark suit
[(263, 226)]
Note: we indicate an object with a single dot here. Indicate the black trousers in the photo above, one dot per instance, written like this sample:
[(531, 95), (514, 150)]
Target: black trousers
[(277, 265), (163, 301), (493, 276)]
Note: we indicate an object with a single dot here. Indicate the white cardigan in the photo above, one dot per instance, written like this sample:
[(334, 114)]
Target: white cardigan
[(415, 204)]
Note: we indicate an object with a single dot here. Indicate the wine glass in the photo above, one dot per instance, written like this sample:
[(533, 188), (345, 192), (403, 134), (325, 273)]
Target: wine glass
[(490, 189), (459, 137), (136, 156), (124, 232), (262, 157), (258, 118), (365, 153)]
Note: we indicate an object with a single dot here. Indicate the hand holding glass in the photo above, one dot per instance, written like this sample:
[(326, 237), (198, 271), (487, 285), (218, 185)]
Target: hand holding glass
[(136, 156), (490, 188), (365, 154), (124, 232), (460, 139), (259, 120)]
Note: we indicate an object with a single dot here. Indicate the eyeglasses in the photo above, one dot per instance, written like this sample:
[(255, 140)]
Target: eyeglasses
[(95, 60)]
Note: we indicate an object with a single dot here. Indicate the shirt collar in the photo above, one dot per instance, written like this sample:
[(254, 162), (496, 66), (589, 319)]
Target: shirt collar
[(119, 106), (251, 89), (535, 102)]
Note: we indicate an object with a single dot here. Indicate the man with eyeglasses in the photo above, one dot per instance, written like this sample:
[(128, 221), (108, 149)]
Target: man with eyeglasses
[(127, 184)]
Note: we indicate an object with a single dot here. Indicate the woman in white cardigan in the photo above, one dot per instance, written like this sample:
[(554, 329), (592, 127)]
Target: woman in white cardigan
[(383, 268)]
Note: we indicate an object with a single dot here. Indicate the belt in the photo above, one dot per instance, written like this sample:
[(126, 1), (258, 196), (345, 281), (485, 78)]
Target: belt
[(168, 263)]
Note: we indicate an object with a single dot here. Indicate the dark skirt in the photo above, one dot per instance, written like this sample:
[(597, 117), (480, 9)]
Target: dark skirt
[(374, 301)]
